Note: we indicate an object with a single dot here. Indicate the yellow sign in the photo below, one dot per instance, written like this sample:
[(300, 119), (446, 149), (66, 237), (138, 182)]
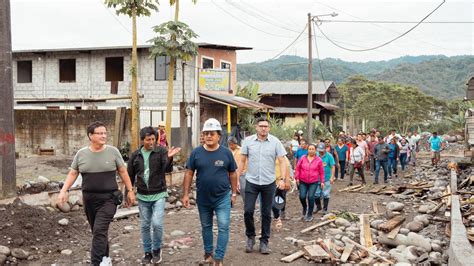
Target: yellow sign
[(214, 80)]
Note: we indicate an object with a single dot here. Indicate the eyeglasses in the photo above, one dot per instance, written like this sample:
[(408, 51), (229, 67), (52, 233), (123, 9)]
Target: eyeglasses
[(210, 133), (263, 126), (100, 133)]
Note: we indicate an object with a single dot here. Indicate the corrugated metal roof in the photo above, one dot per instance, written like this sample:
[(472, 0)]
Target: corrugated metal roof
[(292, 87), (234, 101), (327, 106), (292, 110)]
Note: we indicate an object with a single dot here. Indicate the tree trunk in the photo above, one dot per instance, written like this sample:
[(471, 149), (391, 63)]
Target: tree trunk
[(135, 104), (169, 101)]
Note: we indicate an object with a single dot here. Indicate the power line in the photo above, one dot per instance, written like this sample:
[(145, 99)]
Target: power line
[(397, 22), (382, 27), (252, 13), (383, 44), (319, 58), (115, 17), (291, 44), (246, 23)]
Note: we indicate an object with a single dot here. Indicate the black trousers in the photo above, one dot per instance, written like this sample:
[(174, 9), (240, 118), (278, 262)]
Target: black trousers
[(267, 192), (100, 210)]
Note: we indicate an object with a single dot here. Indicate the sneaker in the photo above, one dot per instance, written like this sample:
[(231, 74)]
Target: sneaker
[(208, 259), (147, 258), (308, 218), (264, 249), (250, 244), (157, 256)]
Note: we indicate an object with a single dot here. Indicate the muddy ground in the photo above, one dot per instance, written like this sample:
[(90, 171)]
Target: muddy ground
[(37, 231)]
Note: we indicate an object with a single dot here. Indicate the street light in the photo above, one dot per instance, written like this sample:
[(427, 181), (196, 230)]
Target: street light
[(309, 125)]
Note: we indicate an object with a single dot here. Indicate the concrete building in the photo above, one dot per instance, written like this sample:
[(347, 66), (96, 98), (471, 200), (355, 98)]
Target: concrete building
[(89, 81)]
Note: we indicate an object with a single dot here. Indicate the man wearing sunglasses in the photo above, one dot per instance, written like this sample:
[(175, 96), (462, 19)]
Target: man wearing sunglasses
[(216, 183)]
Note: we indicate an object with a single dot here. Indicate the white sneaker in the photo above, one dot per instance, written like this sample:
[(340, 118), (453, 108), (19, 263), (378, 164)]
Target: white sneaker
[(106, 261)]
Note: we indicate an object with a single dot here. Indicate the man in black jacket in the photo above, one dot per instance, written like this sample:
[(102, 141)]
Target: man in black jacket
[(146, 168)]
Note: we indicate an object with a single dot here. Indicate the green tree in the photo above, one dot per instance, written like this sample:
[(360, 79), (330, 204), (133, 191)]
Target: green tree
[(134, 9), (246, 116)]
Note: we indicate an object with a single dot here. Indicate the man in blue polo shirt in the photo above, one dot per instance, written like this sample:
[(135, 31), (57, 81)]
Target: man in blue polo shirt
[(261, 150), (329, 169)]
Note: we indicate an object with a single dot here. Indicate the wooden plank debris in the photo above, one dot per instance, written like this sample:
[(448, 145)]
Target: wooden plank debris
[(436, 208), (347, 252), (307, 229), (375, 206), (366, 231), (349, 241), (350, 188), (394, 232), (321, 243), (290, 258), (316, 252), (392, 223), (125, 212)]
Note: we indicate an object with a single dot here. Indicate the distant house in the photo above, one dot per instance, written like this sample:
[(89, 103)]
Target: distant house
[(289, 99), (58, 91), (470, 89)]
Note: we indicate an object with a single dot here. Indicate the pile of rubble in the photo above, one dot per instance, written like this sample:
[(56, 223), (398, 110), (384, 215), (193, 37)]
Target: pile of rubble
[(416, 231)]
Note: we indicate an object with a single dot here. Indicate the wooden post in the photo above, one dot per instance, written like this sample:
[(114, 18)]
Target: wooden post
[(7, 129)]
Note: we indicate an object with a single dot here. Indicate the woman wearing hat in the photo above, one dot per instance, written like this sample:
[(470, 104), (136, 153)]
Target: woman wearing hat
[(309, 175)]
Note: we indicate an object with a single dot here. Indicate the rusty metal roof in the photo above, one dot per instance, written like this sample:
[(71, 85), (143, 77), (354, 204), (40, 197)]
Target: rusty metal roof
[(327, 106), (292, 110), (234, 101)]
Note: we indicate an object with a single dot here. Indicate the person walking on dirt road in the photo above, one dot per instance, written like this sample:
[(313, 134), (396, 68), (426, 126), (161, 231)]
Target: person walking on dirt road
[(216, 183), (147, 167), (98, 164), (261, 150), (324, 190), (436, 146)]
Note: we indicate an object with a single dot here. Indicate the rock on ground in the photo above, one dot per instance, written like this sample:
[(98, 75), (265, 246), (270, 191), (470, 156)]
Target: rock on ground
[(395, 206), (177, 233), (20, 253), (415, 226), (63, 222), (419, 241), (342, 222), (3, 258), (66, 252), (424, 208), (4, 250), (423, 219), (64, 207)]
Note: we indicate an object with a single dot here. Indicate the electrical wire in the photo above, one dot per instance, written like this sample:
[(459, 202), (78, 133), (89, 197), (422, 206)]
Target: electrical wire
[(246, 23), (115, 17), (291, 44), (397, 22), (360, 19), (319, 58), (383, 44), (253, 14)]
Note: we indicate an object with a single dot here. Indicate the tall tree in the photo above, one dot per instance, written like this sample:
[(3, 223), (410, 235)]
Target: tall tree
[(174, 40), (134, 9)]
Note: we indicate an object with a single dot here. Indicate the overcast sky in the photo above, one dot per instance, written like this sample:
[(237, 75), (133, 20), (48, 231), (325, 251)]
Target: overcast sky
[(267, 26)]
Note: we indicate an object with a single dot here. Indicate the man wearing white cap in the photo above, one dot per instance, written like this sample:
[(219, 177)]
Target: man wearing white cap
[(216, 183)]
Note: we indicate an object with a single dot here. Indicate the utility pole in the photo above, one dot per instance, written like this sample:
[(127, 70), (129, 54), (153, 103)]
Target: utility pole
[(310, 84), (7, 135)]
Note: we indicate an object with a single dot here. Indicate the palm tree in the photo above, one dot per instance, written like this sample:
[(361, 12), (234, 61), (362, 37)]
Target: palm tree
[(134, 9), (174, 40)]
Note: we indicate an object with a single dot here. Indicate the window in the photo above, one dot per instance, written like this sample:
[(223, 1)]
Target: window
[(162, 67), (207, 63), (225, 65), (114, 69), (24, 71), (67, 70)]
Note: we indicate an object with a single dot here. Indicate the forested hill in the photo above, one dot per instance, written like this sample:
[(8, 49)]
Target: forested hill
[(438, 76)]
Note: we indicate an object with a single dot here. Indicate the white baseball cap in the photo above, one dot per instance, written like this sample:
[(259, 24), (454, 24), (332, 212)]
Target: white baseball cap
[(212, 124)]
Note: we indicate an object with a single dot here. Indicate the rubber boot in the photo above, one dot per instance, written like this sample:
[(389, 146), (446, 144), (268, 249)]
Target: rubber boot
[(325, 206), (317, 202)]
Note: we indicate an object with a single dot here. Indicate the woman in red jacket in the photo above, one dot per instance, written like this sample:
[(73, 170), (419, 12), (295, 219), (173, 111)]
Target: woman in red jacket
[(309, 174)]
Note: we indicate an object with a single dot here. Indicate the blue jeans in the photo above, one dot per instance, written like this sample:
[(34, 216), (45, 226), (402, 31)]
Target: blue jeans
[(206, 213), (403, 160), (384, 165), (151, 223), (342, 167), (326, 192), (307, 194), (392, 166)]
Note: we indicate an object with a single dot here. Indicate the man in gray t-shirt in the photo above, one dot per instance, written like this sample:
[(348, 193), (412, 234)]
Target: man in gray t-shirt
[(261, 151), (98, 164)]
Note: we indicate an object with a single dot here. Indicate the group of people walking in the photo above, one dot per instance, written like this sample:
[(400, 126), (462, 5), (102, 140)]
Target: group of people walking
[(259, 171)]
